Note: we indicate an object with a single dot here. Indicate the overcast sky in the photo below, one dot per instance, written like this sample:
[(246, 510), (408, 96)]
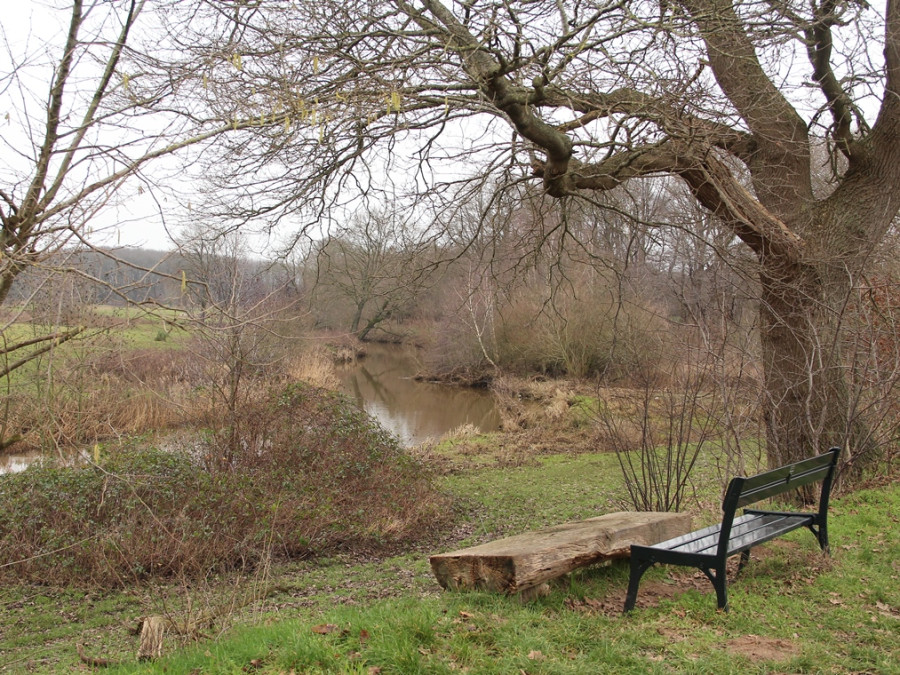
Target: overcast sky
[(137, 216)]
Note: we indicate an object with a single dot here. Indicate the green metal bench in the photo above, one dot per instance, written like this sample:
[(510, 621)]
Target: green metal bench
[(708, 549)]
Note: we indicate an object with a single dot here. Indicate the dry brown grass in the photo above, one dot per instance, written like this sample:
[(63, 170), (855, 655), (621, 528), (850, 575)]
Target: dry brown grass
[(109, 396), (117, 393), (151, 367), (314, 365), (535, 403)]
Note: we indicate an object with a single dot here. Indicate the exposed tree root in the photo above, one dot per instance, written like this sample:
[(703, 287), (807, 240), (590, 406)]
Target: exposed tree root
[(93, 661)]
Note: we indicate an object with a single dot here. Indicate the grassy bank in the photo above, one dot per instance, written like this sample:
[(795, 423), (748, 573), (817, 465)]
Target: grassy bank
[(792, 610)]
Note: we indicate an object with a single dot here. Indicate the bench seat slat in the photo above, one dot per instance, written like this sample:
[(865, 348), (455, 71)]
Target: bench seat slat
[(749, 529), (692, 541), (758, 528)]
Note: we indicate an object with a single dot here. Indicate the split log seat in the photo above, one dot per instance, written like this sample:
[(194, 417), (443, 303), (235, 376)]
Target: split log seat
[(526, 561)]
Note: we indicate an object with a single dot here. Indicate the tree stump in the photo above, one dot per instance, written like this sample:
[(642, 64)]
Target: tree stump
[(153, 631), (519, 563)]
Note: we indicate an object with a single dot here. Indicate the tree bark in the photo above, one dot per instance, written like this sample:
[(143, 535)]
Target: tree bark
[(525, 561), (809, 404), (805, 389)]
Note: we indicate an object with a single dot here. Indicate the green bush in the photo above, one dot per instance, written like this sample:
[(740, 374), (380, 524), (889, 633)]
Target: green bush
[(311, 474)]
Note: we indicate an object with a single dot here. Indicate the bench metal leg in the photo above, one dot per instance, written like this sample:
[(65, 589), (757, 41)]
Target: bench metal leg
[(745, 558), (821, 532), (720, 583), (638, 567)]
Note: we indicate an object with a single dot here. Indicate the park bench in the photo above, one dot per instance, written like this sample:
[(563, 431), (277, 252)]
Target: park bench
[(709, 548)]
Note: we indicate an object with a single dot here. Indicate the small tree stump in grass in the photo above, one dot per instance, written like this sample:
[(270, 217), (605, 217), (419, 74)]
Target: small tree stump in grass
[(523, 562), (153, 631)]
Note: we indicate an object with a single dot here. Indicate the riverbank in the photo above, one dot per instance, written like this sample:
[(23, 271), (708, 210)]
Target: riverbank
[(384, 613)]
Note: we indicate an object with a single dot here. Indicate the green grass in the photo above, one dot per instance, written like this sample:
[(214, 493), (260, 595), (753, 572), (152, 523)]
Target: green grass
[(583, 409), (791, 611), (145, 334), (132, 327), (550, 490), (140, 333)]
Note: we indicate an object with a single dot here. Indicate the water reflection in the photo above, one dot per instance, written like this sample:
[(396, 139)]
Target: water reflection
[(17, 463), (383, 385)]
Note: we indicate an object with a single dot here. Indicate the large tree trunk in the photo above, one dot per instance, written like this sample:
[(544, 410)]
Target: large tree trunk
[(809, 403), (357, 317), (802, 404)]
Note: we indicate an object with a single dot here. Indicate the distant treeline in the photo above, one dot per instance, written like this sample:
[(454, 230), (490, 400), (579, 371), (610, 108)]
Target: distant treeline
[(134, 275), (113, 277)]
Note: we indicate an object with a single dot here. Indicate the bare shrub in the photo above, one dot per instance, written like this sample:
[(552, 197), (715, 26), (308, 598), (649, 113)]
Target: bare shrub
[(313, 474), (351, 465), (581, 333), (658, 441), (452, 353), (872, 348), (109, 391)]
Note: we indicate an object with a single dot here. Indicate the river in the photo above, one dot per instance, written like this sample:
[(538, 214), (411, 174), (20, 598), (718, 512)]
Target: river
[(384, 385), (17, 462)]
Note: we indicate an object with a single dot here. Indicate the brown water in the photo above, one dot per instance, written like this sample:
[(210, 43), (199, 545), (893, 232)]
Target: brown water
[(383, 385)]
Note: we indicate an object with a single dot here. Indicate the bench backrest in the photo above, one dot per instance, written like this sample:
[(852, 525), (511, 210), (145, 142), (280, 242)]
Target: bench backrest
[(783, 479), (748, 490)]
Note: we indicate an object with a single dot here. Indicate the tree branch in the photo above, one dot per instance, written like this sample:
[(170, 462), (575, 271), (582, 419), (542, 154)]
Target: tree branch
[(711, 183), (819, 43), (51, 132), (57, 339), (96, 99), (497, 88), (782, 163), (887, 126), (633, 103)]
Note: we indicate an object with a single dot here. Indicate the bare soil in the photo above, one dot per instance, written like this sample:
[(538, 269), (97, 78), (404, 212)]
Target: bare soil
[(810, 564), (756, 648)]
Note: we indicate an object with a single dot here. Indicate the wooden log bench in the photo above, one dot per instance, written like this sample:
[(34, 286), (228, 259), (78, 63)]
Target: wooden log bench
[(709, 548), (523, 563)]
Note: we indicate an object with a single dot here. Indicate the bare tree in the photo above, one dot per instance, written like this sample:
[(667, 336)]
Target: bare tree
[(729, 98), (378, 265), (235, 307), (83, 117)]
